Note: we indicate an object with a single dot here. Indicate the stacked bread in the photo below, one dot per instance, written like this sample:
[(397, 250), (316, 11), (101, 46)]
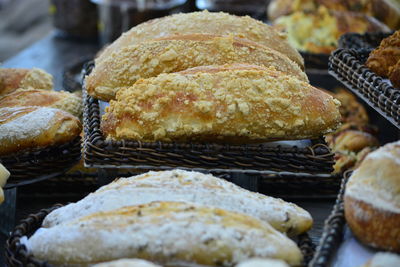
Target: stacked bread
[(208, 77), (170, 217), (32, 115)]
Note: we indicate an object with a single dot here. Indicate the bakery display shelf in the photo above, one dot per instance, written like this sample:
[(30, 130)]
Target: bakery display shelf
[(368, 40), (315, 61), (347, 66), (17, 253), (34, 166), (253, 158)]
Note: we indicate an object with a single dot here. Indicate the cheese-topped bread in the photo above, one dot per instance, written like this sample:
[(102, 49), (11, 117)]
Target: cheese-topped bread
[(30, 128), (163, 232), (179, 185), (176, 53), (231, 104), (208, 23), (13, 79), (372, 199), (36, 97)]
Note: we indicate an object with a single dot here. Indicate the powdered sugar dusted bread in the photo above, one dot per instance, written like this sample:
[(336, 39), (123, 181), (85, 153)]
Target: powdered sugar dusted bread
[(29, 128), (127, 263), (13, 79), (207, 23), (163, 232), (372, 199), (36, 97), (179, 185), (176, 53), (231, 104)]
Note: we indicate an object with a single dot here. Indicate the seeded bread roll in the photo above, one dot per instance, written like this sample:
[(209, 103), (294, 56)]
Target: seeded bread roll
[(13, 79), (189, 187), (176, 53), (207, 23), (29, 128), (36, 97), (372, 199), (163, 232), (232, 104), (127, 263)]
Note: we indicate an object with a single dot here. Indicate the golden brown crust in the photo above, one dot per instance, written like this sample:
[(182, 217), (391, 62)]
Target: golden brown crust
[(207, 23), (13, 79), (36, 97), (353, 140), (177, 53), (29, 128), (233, 105), (386, 56)]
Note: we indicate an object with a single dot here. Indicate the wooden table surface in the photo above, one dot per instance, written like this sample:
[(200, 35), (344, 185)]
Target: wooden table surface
[(55, 54)]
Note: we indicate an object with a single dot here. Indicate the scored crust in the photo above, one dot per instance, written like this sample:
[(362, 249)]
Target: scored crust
[(232, 105), (176, 53), (207, 23)]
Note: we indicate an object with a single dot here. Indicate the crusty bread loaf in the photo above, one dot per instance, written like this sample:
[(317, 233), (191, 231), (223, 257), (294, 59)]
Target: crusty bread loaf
[(221, 104), (176, 53), (13, 79), (207, 23), (127, 263), (372, 199), (163, 232), (36, 97), (384, 259), (28, 128), (263, 263), (186, 186)]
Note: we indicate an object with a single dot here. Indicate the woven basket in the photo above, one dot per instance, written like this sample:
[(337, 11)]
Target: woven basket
[(33, 166), (347, 66), (17, 254), (102, 153)]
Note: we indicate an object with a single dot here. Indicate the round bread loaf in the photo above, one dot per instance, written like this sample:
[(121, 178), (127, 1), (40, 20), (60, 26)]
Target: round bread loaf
[(372, 199)]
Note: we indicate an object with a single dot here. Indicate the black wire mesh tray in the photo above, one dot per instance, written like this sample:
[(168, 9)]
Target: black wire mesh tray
[(34, 166), (99, 152), (347, 66), (17, 254)]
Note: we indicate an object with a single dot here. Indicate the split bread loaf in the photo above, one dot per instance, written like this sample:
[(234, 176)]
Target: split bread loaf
[(233, 103), (30, 128), (36, 97), (186, 186), (13, 79), (4, 175), (372, 199), (126, 263), (163, 232), (207, 23), (176, 53)]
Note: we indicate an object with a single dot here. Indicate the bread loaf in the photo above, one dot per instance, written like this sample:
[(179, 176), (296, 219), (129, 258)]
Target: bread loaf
[(372, 199), (126, 263), (186, 186), (233, 104), (163, 232), (207, 23), (176, 53), (37, 97), (30, 128), (13, 79)]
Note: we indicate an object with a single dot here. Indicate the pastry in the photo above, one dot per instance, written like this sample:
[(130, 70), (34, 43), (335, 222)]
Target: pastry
[(263, 263), (4, 175), (233, 103), (29, 128), (384, 259), (351, 110), (385, 57), (163, 232), (126, 263), (36, 97), (207, 23), (176, 53), (189, 187), (13, 79), (372, 199), (352, 140), (319, 31)]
